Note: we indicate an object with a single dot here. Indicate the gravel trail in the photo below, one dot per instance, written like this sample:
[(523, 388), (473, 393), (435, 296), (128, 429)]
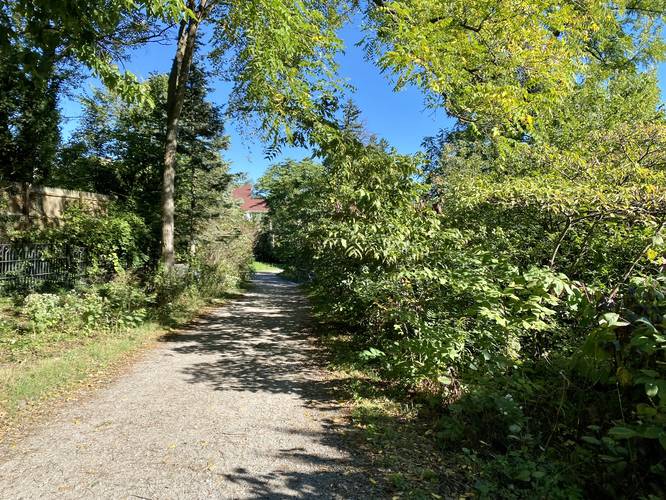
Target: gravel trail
[(232, 407)]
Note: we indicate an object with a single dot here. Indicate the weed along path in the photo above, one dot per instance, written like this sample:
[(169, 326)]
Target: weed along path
[(231, 407)]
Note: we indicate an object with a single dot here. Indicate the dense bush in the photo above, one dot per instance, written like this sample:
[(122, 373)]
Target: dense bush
[(120, 287), (118, 304), (220, 263), (530, 300), (113, 240)]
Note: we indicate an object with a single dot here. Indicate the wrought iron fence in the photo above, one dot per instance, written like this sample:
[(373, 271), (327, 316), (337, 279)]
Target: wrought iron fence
[(30, 265)]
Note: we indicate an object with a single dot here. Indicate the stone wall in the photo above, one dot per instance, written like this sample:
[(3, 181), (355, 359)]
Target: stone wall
[(37, 205)]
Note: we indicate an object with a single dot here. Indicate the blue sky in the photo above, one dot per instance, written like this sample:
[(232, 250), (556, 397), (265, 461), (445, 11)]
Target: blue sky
[(399, 117)]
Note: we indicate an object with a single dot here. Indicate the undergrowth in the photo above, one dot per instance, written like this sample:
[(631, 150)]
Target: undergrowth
[(395, 429), (532, 433)]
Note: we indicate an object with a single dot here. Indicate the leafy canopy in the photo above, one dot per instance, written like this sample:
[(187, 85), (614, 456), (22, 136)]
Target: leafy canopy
[(94, 33), (505, 64)]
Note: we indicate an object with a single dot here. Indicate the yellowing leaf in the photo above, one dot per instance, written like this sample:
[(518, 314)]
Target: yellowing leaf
[(623, 376)]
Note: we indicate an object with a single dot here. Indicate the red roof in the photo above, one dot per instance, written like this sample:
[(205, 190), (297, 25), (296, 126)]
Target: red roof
[(248, 203)]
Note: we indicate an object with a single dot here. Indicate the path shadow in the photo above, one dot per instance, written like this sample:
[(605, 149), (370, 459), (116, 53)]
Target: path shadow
[(262, 342)]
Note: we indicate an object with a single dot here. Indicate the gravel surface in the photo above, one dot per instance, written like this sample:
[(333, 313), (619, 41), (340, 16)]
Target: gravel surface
[(232, 407)]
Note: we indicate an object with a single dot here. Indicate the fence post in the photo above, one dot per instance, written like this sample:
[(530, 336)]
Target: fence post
[(26, 202)]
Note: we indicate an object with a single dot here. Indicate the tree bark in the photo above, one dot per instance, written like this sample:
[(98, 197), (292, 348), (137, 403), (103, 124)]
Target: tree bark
[(178, 76), (193, 207)]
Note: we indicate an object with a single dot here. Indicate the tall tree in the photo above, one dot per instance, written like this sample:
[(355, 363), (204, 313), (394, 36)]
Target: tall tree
[(93, 33), (29, 117), (178, 77), (501, 66), (279, 55), (119, 149)]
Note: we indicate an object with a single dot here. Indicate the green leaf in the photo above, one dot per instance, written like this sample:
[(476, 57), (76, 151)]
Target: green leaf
[(623, 376), (650, 432), (646, 410), (651, 389), (523, 475), (612, 320), (622, 433), (591, 440)]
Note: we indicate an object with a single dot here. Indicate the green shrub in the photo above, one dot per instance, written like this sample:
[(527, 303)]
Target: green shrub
[(522, 474), (221, 263), (126, 301), (83, 311), (113, 240), (117, 305), (482, 284), (43, 311)]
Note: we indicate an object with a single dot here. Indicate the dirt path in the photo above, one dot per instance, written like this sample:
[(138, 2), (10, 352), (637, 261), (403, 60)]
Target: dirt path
[(231, 408)]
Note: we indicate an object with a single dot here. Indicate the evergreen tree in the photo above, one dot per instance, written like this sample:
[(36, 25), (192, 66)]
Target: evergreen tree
[(118, 150)]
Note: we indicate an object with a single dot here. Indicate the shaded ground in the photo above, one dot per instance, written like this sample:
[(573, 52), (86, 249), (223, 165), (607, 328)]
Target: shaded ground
[(232, 407)]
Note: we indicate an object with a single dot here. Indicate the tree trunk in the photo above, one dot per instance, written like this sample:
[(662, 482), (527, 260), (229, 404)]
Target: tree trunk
[(193, 207), (175, 96)]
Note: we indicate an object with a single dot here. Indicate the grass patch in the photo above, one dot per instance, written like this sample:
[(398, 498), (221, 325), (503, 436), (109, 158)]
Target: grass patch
[(22, 384), (258, 267)]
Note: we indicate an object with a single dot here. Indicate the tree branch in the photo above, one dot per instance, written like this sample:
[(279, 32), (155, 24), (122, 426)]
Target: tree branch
[(627, 274)]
